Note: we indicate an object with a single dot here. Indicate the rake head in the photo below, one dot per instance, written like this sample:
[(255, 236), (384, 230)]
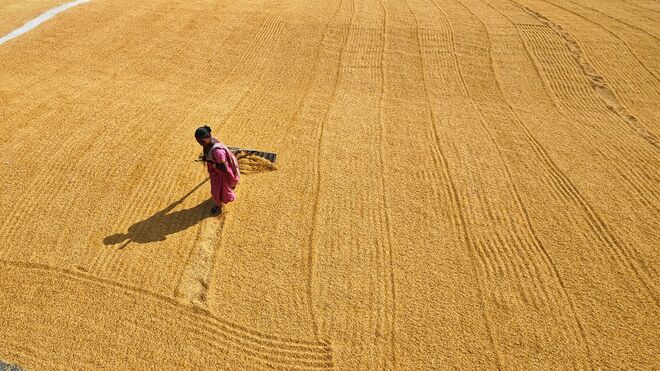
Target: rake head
[(267, 155)]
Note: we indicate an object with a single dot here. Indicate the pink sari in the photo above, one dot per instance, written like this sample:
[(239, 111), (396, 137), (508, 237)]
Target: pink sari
[(222, 183)]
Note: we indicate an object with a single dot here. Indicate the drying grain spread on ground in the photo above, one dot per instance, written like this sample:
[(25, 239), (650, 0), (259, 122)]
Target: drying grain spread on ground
[(466, 184)]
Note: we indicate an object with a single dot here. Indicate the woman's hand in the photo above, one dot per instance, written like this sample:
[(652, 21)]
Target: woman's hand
[(222, 166)]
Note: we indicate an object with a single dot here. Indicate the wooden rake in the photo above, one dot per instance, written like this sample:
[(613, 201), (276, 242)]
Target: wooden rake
[(270, 156)]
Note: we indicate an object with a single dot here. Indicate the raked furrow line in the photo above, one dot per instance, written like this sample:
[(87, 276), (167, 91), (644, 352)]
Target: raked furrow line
[(466, 184), (217, 336)]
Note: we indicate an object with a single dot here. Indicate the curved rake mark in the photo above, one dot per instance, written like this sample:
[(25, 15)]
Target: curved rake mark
[(616, 19), (217, 323), (536, 242), (614, 34), (317, 169), (598, 82), (388, 242), (641, 7), (474, 247)]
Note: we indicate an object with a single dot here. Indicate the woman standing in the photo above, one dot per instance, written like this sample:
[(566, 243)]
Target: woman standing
[(222, 166)]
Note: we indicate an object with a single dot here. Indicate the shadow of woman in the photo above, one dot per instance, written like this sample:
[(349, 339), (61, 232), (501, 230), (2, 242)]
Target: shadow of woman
[(163, 223)]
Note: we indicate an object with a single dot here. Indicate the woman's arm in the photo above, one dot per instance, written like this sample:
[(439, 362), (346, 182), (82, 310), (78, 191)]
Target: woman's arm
[(220, 160), (222, 166)]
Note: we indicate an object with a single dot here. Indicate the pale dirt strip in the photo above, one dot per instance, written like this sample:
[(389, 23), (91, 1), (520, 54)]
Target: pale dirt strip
[(9, 367), (41, 18), (461, 183), (14, 13)]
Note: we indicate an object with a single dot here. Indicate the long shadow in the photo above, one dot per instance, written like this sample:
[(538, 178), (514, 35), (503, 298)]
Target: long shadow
[(158, 226)]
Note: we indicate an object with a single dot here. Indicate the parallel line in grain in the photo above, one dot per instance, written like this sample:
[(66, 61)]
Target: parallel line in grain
[(115, 255), (626, 155), (459, 217), (600, 87), (528, 258), (44, 180), (311, 248), (595, 132), (597, 225), (391, 303), (109, 258), (204, 246), (573, 191), (616, 19), (614, 34), (113, 261), (567, 74), (247, 335), (641, 7), (528, 227)]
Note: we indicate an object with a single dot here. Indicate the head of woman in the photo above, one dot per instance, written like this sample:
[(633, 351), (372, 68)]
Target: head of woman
[(203, 136)]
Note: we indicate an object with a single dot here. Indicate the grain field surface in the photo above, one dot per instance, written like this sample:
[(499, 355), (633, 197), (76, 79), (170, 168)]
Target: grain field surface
[(469, 184)]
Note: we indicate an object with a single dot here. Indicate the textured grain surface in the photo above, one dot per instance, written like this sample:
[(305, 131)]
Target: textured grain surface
[(460, 184)]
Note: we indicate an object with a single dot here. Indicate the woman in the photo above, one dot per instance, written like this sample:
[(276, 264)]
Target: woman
[(222, 166)]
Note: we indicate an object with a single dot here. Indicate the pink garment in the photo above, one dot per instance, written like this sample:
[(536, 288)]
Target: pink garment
[(223, 183)]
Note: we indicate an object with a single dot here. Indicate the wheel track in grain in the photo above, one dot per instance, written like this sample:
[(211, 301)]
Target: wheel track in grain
[(261, 347)]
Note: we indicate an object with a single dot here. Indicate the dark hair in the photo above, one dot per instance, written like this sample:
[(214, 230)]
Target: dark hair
[(203, 132)]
